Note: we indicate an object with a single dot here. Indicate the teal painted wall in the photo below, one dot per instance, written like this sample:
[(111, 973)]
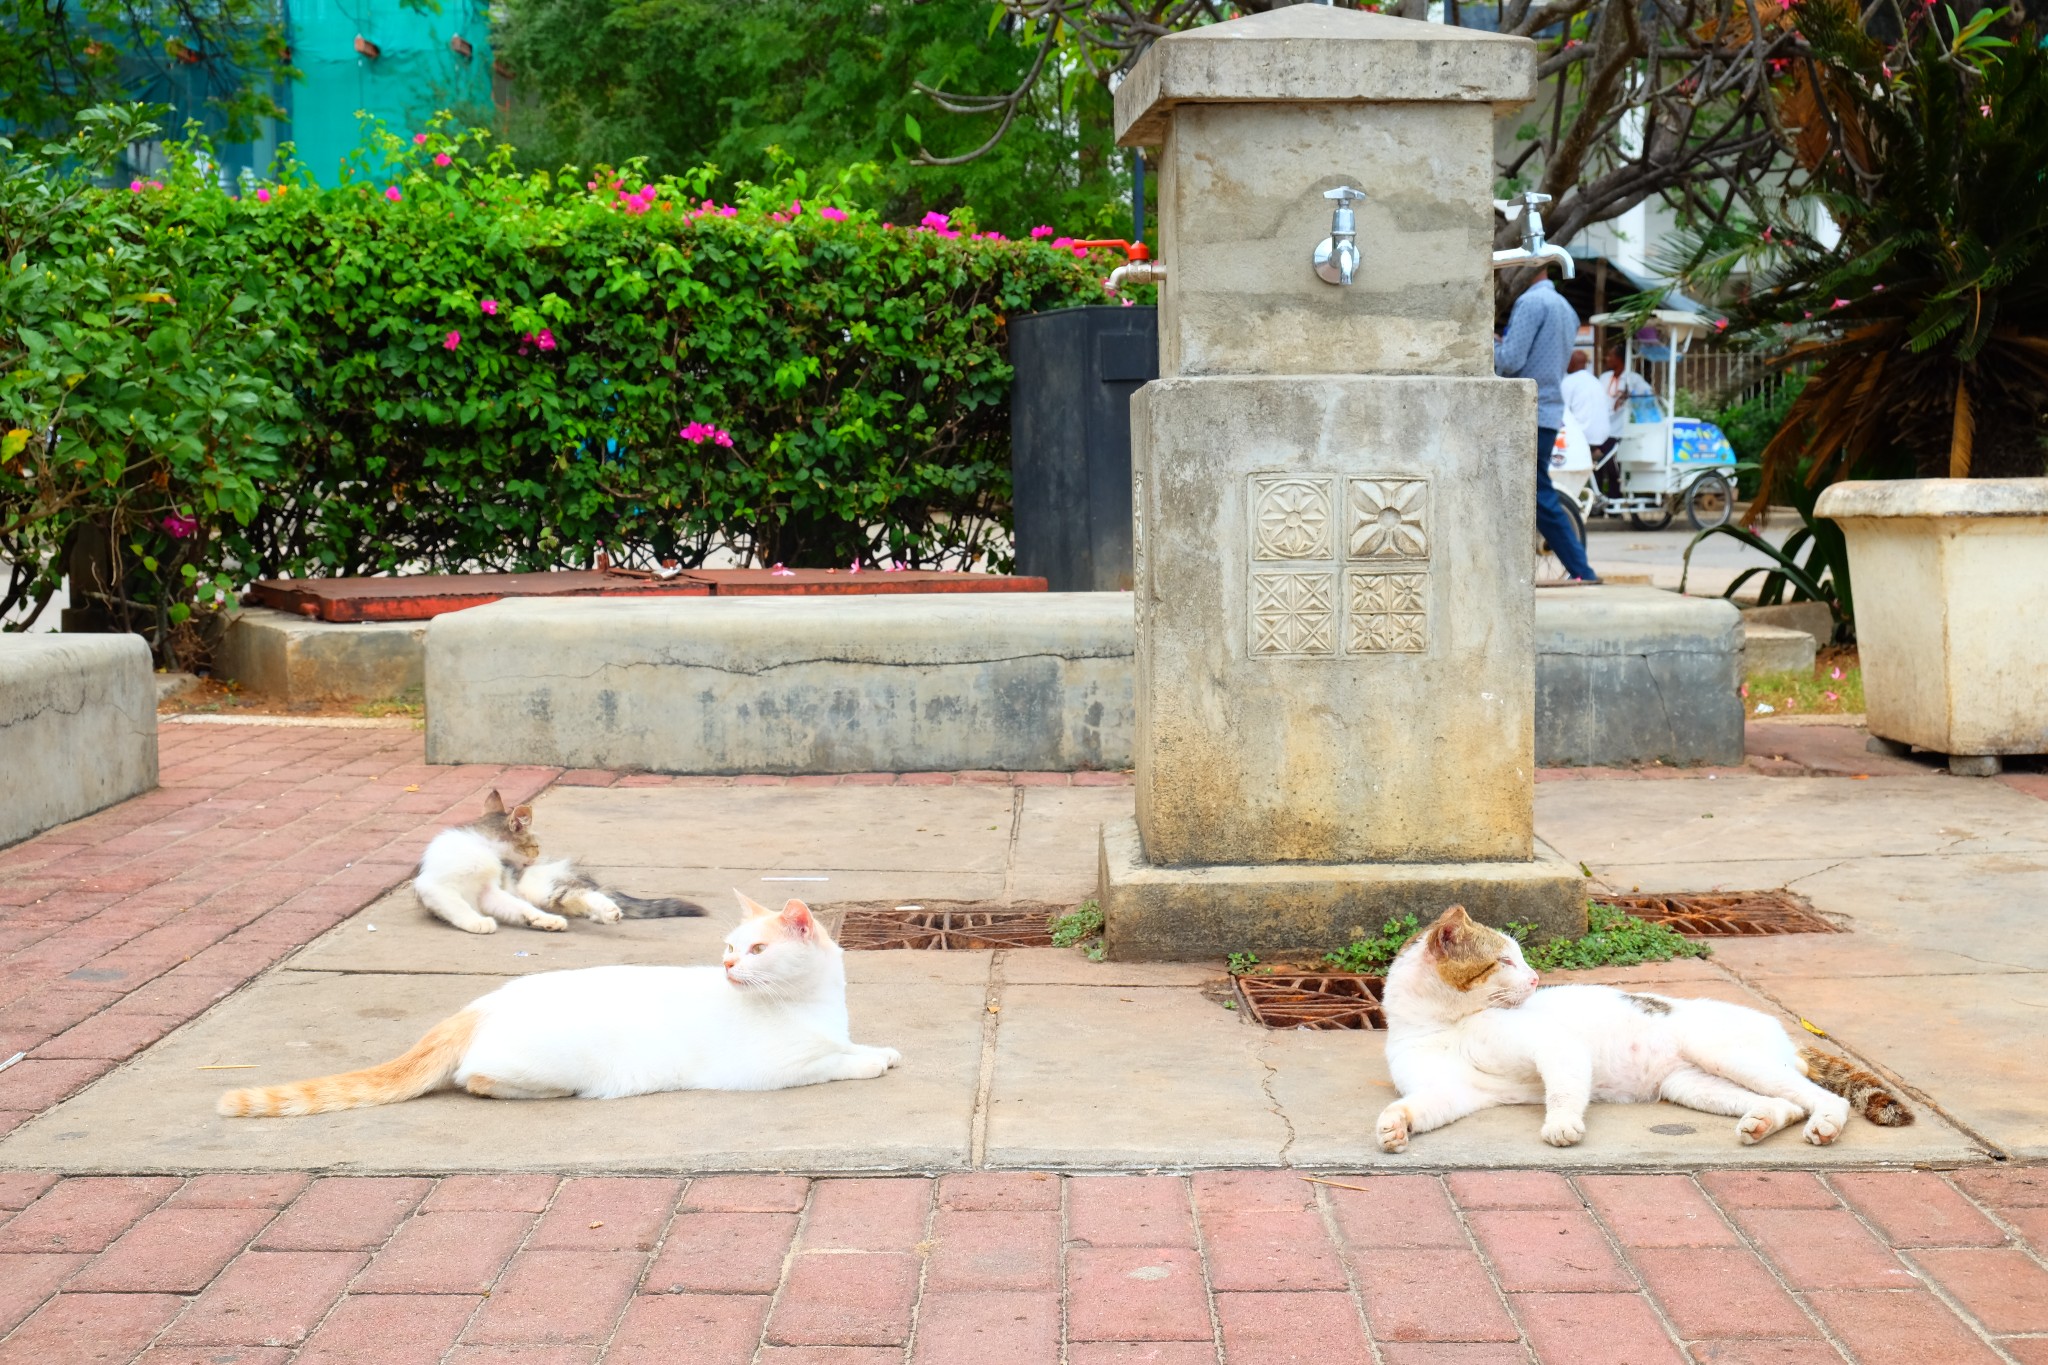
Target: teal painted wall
[(415, 74)]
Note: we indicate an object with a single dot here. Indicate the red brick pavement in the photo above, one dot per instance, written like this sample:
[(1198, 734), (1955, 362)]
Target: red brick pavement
[(1024, 1267), (117, 928)]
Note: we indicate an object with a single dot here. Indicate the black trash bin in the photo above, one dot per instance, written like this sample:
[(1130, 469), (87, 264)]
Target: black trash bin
[(1070, 441)]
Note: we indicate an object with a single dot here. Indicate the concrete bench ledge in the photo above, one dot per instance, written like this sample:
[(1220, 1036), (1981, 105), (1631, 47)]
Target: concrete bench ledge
[(77, 727), (1636, 675), (1016, 681)]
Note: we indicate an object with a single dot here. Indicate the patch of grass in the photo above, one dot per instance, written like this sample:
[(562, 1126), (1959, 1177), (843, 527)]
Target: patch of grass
[(1373, 954), (1614, 938), (1801, 693), (1080, 928), (391, 706), (1245, 964)]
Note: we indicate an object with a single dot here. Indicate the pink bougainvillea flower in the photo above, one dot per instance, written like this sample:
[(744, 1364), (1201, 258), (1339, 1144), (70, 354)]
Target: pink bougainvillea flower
[(263, 196), (1877, 289), (854, 567), (135, 186), (1721, 325), (697, 433), (1830, 696), (178, 526), (1806, 315), (1744, 689), (419, 139), (452, 340), (443, 159), (489, 307), (1984, 110), (779, 572), (1042, 230), (1836, 673), (832, 215), (796, 208), (934, 221), (1839, 303), (393, 193)]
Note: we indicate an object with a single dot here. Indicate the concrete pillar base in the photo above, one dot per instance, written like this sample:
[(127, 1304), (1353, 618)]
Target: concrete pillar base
[(1154, 913)]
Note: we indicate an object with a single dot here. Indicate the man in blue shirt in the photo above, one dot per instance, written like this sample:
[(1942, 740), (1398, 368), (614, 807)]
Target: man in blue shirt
[(1541, 331)]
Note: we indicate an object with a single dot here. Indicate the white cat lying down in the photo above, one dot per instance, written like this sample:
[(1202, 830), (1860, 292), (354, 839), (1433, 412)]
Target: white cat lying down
[(1467, 1030), (773, 1017)]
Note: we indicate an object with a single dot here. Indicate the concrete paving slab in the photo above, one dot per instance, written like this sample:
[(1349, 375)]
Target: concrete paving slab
[(1611, 823), (156, 1114), (939, 829), (1970, 1049), (1088, 1078), (1061, 828), (1068, 967), (1726, 874)]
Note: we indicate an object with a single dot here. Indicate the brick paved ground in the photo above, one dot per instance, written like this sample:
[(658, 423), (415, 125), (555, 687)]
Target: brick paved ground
[(984, 1269), (117, 928)]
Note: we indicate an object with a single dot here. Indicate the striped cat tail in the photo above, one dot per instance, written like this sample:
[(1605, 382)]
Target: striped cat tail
[(1865, 1092), (661, 907), (427, 1065)]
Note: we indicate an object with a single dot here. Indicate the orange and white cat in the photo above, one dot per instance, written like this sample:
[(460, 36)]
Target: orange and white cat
[(773, 1016), (1467, 1029), (490, 872)]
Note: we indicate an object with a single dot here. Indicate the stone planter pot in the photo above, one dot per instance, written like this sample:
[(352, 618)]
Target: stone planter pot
[(1951, 584)]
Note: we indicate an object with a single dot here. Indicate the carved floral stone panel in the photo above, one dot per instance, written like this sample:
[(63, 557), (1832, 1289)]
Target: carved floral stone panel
[(1291, 517), (1388, 613), (1389, 519)]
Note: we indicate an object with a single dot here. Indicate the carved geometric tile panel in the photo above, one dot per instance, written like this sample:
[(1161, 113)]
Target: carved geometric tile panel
[(1389, 519), (1291, 517), (1294, 614), (1387, 613)]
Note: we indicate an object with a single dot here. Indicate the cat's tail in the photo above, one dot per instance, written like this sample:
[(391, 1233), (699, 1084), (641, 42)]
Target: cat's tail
[(660, 907), (1864, 1091), (428, 1065)]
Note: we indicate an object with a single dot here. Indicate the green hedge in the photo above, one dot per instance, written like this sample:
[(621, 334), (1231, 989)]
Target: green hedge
[(445, 364)]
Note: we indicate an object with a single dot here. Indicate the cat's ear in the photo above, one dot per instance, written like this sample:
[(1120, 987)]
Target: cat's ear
[(521, 817), (494, 804), (751, 906), (1450, 927), (796, 917)]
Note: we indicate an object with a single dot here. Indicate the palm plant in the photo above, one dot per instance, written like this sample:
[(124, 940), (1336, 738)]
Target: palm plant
[(1925, 326)]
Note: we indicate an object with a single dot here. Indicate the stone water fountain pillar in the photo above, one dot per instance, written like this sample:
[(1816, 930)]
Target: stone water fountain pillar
[(1334, 500)]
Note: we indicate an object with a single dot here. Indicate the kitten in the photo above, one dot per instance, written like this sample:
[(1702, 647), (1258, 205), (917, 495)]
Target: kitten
[(486, 873), (774, 1017), (1467, 1029)]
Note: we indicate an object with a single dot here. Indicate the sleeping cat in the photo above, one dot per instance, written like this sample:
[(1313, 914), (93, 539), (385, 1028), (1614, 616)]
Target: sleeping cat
[(483, 874), (1467, 1030), (774, 1017)]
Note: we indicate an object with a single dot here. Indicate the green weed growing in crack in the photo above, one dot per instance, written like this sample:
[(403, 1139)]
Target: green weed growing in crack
[(1080, 928)]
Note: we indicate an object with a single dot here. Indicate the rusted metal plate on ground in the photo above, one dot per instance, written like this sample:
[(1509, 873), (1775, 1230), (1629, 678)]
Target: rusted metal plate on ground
[(1320, 1000), (1726, 914), (939, 925), (420, 597)]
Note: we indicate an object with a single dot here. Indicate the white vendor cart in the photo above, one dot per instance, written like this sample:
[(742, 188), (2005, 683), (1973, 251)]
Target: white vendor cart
[(1666, 462)]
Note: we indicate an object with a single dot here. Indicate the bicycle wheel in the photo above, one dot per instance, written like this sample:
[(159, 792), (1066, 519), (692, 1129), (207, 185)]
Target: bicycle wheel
[(1549, 568), (1710, 501)]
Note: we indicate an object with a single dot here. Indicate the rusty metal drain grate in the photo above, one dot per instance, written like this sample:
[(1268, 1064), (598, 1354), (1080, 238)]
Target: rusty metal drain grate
[(938, 926), (1322, 1000), (1726, 914)]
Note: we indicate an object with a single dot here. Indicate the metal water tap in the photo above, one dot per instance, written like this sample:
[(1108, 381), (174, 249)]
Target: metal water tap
[(1336, 256), (1138, 266), (1534, 250)]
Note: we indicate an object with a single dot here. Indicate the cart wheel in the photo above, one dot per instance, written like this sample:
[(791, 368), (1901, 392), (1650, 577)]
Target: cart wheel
[(1710, 501), (1655, 521), (1549, 568)]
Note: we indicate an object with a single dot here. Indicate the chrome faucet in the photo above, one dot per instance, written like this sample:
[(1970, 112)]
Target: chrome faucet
[(1336, 256), (1533, 250)]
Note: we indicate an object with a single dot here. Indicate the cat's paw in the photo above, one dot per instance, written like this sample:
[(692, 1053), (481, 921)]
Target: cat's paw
[(890, 1056), (1564, 1132), (611, 916), (1826, 1125), (553, 924), (1767, 1118), (482, 926), (1393, 1128)]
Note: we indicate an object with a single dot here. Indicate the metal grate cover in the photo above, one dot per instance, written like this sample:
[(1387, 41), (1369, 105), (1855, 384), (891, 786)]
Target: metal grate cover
[(939, 926), (1322, 1000), (1726, 914)]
